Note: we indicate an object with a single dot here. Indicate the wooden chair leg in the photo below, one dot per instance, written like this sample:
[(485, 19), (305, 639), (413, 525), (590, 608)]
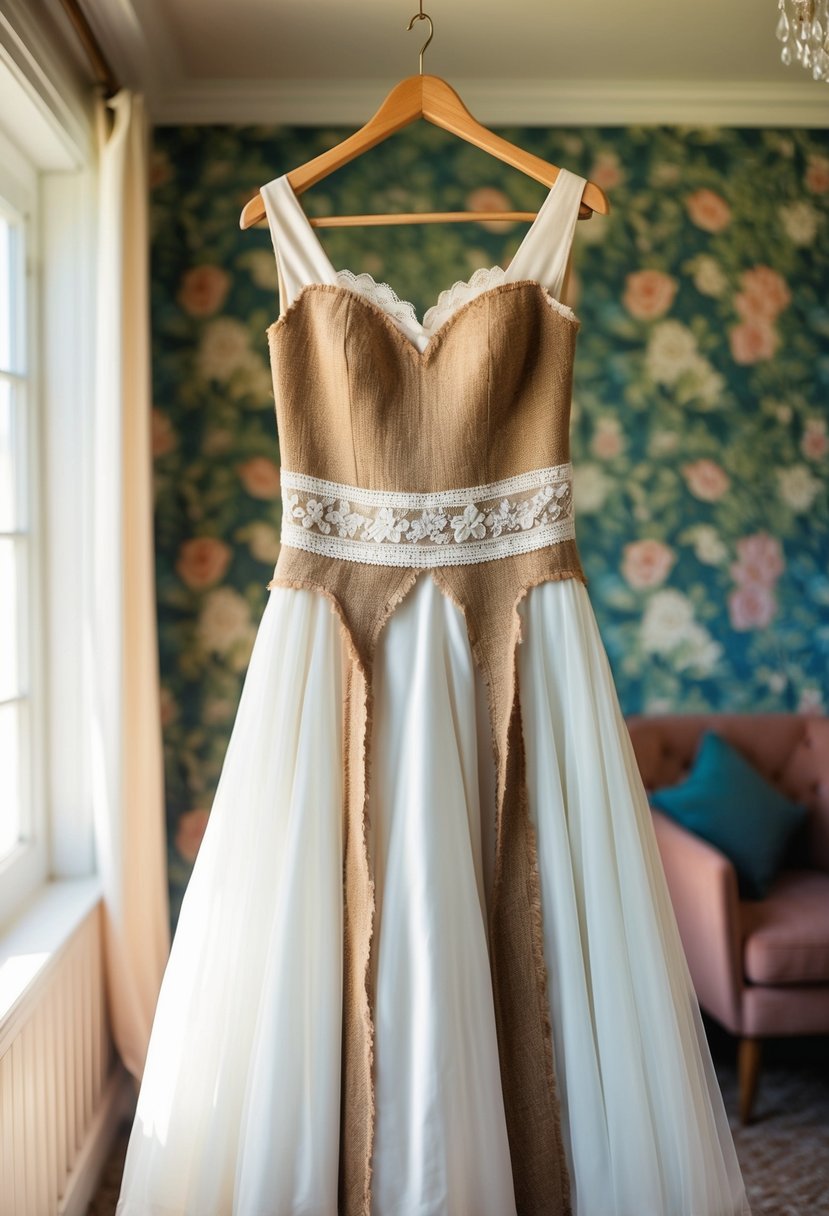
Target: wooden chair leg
[(748, 1068)]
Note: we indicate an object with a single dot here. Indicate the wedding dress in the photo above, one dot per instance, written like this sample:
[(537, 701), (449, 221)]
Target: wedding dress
[(426, 963)]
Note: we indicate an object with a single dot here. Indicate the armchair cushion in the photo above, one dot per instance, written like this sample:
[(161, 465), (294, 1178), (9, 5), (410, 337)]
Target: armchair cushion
[(727, 802), (786, 936)]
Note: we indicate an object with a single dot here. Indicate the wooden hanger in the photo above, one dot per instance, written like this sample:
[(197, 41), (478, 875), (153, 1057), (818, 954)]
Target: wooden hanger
[(428, 97)]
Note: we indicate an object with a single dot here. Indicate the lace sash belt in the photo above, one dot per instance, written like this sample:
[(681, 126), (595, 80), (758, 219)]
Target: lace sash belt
[(447, 528)]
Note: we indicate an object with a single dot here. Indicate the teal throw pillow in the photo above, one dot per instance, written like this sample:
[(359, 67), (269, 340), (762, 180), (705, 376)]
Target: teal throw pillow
[(728, 803)]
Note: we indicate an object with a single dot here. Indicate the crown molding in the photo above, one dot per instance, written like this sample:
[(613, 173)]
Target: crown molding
[(138, 37), (505, 102)]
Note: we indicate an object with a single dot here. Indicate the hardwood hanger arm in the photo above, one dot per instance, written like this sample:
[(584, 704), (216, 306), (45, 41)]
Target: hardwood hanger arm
[(431, 98)]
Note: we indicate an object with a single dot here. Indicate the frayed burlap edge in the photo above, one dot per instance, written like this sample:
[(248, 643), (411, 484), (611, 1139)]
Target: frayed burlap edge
[(358, 1109), (552, 1195), (440, 335)]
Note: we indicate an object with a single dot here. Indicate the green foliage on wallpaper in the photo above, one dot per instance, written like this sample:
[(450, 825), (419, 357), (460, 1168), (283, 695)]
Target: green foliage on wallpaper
[(700, 425)]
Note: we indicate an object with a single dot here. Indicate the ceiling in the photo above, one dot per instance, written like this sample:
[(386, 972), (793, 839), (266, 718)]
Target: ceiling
[(609, 61)]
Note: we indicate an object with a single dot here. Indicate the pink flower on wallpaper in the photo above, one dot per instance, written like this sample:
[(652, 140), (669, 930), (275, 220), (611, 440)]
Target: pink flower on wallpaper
[(814, 442), (760, 560), (161, 171), (753, 341), (765, 294), (649, 294), (706, 480), (203, 290), (490, 198), (646, 563), (190, 832), (260, 477), (608, 440), (754, 308), (202, 562), (817, 174), (163, 436), (751, 606), (606, 171), (168, 706), (708, 210), (811, 702)]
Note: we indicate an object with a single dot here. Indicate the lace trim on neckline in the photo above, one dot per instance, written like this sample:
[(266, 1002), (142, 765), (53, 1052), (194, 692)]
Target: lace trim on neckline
[(449, 300)]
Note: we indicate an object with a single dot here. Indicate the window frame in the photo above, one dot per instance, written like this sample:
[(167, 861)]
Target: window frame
[(48, 120), (26, 866)]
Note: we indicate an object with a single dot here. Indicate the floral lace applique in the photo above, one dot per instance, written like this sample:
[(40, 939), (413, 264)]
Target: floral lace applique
[(475, 523)]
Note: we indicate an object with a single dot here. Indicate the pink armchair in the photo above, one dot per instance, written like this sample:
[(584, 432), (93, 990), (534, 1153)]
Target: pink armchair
[(760, 967)]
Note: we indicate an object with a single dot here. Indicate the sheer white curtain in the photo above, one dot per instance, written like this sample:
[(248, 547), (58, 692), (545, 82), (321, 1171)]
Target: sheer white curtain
[(127, 756)]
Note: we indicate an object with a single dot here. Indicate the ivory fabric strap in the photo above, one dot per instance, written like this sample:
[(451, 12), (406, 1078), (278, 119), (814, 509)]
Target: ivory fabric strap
[(441, 460)]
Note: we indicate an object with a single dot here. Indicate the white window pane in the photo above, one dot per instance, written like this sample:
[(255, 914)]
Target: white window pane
[(5, 293), (10, 791), (10, 554), (8, 454)]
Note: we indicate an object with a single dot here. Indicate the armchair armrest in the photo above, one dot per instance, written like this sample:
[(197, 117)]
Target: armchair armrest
[(704, 893)]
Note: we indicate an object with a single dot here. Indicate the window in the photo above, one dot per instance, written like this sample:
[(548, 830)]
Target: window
[(22, 829), (13, 537)]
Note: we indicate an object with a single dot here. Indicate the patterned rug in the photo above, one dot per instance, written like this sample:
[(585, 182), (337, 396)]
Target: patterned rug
[(784, 1151)]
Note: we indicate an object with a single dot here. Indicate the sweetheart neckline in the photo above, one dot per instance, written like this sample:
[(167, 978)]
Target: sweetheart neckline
[(546, 206), (404, 310), (422, 356)]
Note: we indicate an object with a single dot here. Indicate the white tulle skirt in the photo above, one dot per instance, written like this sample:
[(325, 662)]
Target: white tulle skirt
[(238, 1113)]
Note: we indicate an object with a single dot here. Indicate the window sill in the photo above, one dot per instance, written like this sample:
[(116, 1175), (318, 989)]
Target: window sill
[(31, 944)]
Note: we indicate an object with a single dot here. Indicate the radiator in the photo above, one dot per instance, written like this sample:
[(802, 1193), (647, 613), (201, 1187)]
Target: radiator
[(56, 1056)]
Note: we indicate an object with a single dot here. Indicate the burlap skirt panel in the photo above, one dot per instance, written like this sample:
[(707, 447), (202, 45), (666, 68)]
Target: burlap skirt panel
[(488, 595)]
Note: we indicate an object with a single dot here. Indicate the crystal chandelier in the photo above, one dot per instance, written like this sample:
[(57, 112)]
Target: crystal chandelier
[(803, 28)]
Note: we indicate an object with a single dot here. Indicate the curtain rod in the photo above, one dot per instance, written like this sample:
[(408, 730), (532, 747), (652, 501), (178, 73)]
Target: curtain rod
[(104, 75)]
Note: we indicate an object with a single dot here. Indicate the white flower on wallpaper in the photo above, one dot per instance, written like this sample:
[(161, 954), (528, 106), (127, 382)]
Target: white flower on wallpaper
[(262, 540), (704, 386), (798, 487), (708, 276), (671, 350), (669, 628), (707, 544), (800, 222), (663, 443), (224, 620), (261, 265), (591, 487), (223, 349)]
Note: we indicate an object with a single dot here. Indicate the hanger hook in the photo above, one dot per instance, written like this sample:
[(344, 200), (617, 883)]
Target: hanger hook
[(421, 16)]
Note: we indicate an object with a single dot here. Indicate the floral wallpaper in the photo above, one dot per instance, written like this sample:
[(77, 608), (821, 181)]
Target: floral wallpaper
[(700, 423)]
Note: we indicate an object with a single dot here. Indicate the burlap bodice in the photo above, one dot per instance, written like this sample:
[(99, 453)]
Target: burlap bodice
[(487, 399), (404, 450)]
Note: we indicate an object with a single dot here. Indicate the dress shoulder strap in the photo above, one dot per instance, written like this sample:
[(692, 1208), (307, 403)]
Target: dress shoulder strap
[(300, 258), (545, 253)]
